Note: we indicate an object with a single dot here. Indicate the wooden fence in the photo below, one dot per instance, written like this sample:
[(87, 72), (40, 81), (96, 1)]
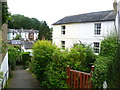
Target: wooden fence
[(78, 79)]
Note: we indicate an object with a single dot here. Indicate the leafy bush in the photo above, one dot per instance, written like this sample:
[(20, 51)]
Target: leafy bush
[(107, 64), (109, 45), (13, 56), (101, 72), (87, 57), (42, 56), (25, 59), (56, 69)]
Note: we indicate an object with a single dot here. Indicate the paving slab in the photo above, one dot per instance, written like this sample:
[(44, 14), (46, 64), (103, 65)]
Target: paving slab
[(22, 79)]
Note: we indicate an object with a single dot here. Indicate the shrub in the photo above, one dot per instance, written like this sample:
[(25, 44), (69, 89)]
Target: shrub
[(13, 56), (56, 69), (25, 59), (49, 62), (101, 72), (107, 64), (42, 56)]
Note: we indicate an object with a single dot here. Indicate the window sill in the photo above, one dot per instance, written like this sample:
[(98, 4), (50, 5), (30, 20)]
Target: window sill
[(97, 35)]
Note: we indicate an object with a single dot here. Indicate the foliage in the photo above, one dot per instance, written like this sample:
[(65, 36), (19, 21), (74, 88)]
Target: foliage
[(107, 64), (42, 52), (18, 37), (20, 21), (109, 45), (101, 72), (44, 31), (87, 57), (5, 13), (25, 59), (50, 63), (13, 56), (56, 71)]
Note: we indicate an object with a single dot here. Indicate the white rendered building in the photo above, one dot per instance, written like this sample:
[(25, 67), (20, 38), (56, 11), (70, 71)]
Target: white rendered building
[(89, 28)]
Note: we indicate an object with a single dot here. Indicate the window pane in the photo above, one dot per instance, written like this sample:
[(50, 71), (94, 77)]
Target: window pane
[(97, 29), (63, 30), (96, 47)]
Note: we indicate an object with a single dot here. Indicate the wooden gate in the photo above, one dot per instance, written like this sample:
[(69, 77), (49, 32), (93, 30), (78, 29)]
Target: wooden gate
[(78, 79)]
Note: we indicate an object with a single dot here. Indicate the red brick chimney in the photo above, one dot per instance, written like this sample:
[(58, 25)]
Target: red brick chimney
[(115, 6)]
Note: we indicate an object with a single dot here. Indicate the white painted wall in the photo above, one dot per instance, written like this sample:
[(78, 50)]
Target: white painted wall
[(24, 35), (4, 68), (80, 31), (26, 50)]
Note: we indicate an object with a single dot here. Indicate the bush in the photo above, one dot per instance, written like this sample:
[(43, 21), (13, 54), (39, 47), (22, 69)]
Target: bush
[(101, 72), (25, 59), (42, 56), (107, 64), (87, 57), (56, 69), (49, 62), (13, 56)]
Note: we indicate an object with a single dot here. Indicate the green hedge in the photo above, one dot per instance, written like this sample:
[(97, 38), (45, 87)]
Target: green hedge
[(14, 54), (49, 62), (107, 63), (42, 52), (25, 59)]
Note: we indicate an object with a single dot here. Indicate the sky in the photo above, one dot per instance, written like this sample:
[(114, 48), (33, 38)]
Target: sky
[(54, 10)]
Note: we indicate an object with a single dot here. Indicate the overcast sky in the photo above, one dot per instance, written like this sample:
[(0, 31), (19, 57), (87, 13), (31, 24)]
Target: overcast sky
[(53, 10)]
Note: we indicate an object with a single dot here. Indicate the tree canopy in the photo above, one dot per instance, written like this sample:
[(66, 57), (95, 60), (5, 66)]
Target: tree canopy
[(5, 13), (20, 21)]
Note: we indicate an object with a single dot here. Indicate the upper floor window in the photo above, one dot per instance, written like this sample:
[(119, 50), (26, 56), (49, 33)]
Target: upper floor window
[(63, 30), (97, 29), (96, 47)]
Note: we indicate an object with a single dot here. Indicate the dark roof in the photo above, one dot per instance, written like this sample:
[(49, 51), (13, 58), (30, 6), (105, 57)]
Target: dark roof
[(20, 31), (28, 44), (88, 17), (16, 42)]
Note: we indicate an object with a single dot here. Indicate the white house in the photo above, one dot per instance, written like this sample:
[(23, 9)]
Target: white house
[(88, 28), (31, 35), (27, 46)]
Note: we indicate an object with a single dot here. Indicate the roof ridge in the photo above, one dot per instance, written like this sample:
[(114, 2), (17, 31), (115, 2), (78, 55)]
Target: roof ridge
[(89, 13)]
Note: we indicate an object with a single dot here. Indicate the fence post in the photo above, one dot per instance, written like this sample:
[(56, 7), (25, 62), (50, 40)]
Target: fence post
[(92, 69), (68, 76)]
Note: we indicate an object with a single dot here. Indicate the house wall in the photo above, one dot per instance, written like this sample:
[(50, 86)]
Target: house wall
[(80, 31), (24, 35), (4, 68)]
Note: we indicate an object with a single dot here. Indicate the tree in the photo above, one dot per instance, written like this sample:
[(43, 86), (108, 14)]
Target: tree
[(5, 13), (44, 31), (20, 21)]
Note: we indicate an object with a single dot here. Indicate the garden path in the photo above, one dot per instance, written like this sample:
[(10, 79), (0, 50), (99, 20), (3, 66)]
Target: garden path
[(22, 79)]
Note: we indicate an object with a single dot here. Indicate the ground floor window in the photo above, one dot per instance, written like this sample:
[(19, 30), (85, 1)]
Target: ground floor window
[(63, 44), (96, 47)]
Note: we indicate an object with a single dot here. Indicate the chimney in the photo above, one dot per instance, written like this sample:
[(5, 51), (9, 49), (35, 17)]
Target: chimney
[(115, 6)]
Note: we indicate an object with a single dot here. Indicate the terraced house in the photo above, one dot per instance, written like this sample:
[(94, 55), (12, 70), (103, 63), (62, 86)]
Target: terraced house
[(88, 28)]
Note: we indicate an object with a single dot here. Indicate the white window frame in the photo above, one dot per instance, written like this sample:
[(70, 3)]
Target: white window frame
[(97, 29), (63, 30), (96, 47)]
